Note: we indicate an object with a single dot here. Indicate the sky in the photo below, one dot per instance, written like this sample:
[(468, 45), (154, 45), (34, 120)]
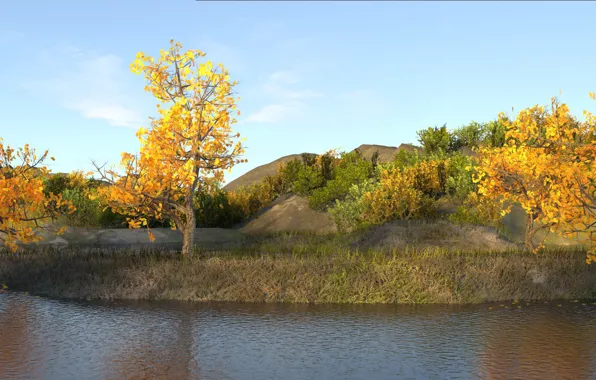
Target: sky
[(313, 75)]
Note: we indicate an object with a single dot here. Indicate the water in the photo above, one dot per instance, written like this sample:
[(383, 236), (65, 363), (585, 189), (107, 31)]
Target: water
[(53, 339)]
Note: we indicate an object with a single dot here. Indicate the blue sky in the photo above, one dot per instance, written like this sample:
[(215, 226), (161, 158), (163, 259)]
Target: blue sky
[(313, 75)]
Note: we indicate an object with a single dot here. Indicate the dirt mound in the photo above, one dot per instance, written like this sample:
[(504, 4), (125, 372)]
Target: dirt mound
[(432, 234), (289, 213)]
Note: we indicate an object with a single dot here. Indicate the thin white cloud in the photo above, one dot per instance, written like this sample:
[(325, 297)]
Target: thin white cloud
[(287, 101), (93, 85), (274, 113), (114, 114)]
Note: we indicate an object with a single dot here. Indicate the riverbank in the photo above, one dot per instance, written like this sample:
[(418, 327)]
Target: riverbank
[(302, 274)]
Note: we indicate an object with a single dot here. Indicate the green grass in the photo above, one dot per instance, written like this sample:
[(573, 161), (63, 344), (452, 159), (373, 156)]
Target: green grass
[(303, 268)]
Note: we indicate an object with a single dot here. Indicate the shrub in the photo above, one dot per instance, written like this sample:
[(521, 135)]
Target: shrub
[(309, 159), (110, 219), (87, 213), (248, 200), (404, 158), (436, 140), (471, 136), (325, 163), (213, 209), (56, 184), (478, 210), (396, 198), (459, 179), (307, 179), (428, 177), (351, 169), (347, 213), (288, 172), (494, 135)]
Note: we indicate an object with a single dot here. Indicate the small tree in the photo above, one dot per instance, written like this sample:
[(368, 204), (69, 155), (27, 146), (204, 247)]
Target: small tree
[(187, 148), (471, 136), (23, 207), (547, 165), (437, 140)]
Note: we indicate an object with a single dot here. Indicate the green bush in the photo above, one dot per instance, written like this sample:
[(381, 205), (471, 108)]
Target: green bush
[(56, 184), (352, 169), (494, 134), (459, 180), (215, 210), (309, 159), (404, 158), (288, 174), (87, 213), (480, 211), (471, 136), (347, 212), (110, 219), (436, 140), (248, 200), (307, 179)]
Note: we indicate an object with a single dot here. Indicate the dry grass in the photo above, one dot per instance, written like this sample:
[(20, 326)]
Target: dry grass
[(299, 268)]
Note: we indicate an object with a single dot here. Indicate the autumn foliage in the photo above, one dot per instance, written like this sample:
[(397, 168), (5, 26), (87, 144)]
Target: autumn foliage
[(24, 209), (186, 148), (547, 165)]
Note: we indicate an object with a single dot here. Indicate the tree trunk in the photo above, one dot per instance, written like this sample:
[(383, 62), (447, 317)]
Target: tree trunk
[(188, 235), (530, 233)]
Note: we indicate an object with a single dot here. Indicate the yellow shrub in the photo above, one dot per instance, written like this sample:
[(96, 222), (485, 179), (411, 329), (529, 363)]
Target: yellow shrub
[(393, 198)]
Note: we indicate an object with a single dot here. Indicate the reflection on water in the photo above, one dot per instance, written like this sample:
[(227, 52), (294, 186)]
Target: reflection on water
[(51, 339)]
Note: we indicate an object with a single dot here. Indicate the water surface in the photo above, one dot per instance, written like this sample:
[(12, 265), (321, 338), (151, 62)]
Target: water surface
[(55, 339)]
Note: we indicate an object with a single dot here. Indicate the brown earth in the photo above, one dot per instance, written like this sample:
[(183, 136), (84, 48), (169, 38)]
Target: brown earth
[(425, 234), (289, 213)]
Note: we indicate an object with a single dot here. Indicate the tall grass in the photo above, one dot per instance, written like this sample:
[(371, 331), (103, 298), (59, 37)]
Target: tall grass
[(311, 271)]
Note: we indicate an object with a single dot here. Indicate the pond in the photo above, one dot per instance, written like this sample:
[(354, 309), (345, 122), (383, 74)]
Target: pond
[(55, 339)]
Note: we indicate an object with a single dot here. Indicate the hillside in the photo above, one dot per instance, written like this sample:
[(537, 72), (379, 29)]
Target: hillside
[(386, 154), (260, 172)]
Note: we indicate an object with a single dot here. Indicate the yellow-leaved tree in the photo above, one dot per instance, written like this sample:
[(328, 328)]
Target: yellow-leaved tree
[(547, 165), (187, 147), (24, 210)]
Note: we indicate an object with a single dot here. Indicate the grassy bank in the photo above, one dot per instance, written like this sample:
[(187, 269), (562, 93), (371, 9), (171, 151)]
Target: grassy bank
[(303, 274)]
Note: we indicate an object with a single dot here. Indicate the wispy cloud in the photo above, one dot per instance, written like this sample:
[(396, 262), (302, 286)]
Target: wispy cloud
[(93, 85), (274, 113), (287, 101)]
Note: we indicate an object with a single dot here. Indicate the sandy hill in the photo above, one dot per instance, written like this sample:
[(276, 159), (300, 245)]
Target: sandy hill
[(260, 172), (287, 213)]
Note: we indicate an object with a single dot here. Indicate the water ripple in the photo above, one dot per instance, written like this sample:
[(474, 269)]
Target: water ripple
[(52, 339)]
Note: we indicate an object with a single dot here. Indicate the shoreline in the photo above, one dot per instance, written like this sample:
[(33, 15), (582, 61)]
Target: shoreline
[(407, 276)]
